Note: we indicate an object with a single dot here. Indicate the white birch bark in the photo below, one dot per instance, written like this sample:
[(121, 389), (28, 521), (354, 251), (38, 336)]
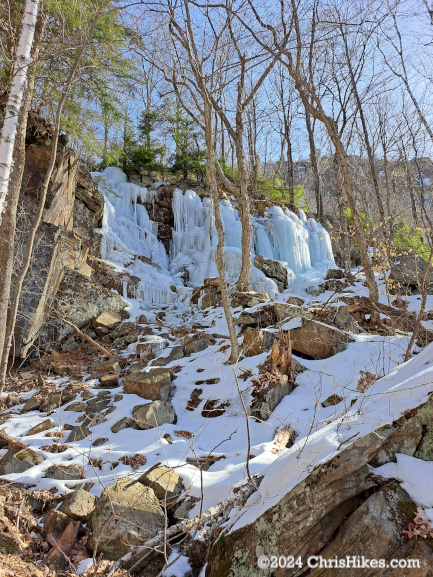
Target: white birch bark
[(15, 99)]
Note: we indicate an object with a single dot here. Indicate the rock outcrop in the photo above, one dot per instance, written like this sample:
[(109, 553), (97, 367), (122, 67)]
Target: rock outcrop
[(339, 509), (60, 277)]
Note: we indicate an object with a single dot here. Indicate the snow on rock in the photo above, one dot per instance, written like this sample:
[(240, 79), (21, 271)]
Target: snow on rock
[(405, 387), (416, 477)]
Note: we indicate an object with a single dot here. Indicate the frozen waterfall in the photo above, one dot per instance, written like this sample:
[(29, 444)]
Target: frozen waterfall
[(301, 244)]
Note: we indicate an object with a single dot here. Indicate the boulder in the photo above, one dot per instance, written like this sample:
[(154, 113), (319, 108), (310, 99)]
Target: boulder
[(153, 414), (257, 341), (197, 345), (273, 269), (338, 509), (334, 274), (55, 523), (79, 432), (153, 384), (32, 404), (248, 299), (79, 505), (44, 426), (408, 271), (268, 397), (19, 461), (64, 472), (109, 381), (375, 529), (317, 340), (175, 354), (258, 316), (126, 514), (107, 319), (297, 301), (165, 482), (285, 311)]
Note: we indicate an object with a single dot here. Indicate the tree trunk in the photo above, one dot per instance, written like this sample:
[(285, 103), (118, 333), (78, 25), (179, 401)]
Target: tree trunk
[(8, 224), (344, 231), (15, 98), (314, 167), (219, 258)]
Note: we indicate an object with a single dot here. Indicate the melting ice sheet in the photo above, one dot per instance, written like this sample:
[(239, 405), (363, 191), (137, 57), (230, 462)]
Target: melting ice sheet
[(301, 244)]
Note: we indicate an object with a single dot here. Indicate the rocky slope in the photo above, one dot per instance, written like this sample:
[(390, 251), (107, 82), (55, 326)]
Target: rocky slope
[(100, 454)]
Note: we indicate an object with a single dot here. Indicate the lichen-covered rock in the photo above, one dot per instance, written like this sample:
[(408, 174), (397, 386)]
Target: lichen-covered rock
[(19, 461), (126, 514), (375, 529), (165, 482), (153, 414), (153, 384)]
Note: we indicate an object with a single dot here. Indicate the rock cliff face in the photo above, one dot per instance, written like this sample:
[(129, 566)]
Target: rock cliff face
[(60, 283)]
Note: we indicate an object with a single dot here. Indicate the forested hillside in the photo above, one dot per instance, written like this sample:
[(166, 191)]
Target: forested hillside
[(216, 288)]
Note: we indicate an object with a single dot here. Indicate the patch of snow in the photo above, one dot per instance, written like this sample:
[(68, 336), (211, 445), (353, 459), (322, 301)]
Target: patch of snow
[(416, 476)]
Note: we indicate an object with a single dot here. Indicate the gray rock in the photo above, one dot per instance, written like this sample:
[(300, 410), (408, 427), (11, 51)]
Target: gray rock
[(31, 404), (334, 273), (165, 482), (79, 505), (265, 401), (124, 423), (197, 345), (137, 518), (408, 270), (332, 400), (153, 414), (64, 472), (44, 426), (273, 269), (175, 354)]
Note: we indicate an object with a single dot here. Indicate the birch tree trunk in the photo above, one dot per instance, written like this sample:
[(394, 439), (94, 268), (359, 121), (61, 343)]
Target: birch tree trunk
[(8, 224), (16, 96)]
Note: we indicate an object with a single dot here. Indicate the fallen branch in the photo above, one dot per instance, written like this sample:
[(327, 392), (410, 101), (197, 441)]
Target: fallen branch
[(90, 340), (236, 500)]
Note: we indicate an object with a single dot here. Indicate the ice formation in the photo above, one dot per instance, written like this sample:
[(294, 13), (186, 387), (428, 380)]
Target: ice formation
[(301, 244)]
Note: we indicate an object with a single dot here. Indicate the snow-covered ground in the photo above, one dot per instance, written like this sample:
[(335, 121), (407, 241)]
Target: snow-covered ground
[(304, 246)]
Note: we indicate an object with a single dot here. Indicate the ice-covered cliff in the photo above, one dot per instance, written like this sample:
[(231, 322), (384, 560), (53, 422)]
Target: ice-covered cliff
[(129, 230)]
